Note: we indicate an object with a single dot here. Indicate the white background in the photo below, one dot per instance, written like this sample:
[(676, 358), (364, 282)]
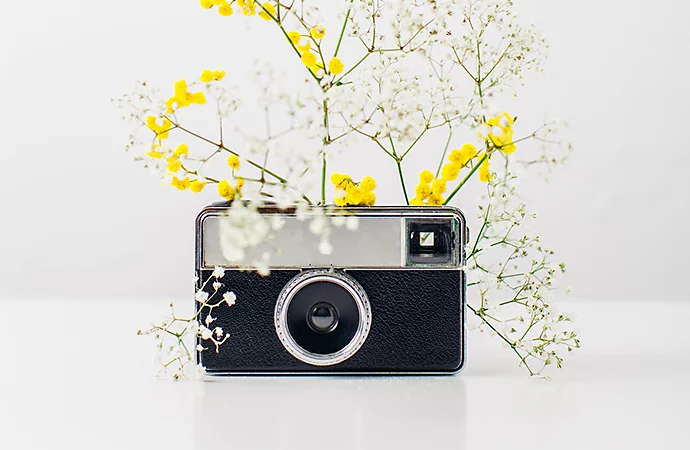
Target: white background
[(78, 219)]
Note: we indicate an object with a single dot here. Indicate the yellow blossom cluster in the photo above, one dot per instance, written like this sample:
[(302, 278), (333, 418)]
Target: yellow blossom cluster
[(499, 133), (430, 190), (183, 98), (225, 189), (228, 192), (248, 7), (268, 12), (485, 169), (212, 75), (224, 8), (185, 183), (160, 130), (308, 57), (350, 193)]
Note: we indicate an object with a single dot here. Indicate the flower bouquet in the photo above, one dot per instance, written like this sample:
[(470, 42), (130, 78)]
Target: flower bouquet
[(376, 102)]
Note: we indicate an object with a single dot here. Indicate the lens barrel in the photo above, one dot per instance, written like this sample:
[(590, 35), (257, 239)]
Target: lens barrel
[(322, 317)]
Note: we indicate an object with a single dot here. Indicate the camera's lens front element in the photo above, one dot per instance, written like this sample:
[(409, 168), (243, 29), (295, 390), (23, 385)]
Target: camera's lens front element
[(322, 317)]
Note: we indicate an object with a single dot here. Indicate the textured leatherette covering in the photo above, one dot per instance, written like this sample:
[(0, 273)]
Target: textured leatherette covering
[(417, 324)]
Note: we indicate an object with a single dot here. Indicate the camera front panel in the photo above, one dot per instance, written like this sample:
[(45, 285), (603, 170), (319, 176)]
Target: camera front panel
[(417, 325), (389, 298)]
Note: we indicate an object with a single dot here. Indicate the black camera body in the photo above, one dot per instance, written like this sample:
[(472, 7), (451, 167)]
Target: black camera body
[(389, 298)]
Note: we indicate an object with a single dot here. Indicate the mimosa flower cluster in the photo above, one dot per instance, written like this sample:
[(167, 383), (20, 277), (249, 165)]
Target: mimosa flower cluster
[(400, 79)]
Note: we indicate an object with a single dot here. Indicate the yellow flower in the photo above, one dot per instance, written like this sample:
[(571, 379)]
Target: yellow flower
[(347, 192), (499, 132), (318, 32), (309, 59), (485, 170), (368, 198), (248, 7), (225, 10), (234, 162), (450, 172), (423, 190), (353, 195), (464, 155), (240, 183), (435, 200), (417, 202), (155, 154), (218, 75), (226, 191), (302, 49), (335, 66), (183, 97), (160, 130), (367, 184), (294, 37), (181, 184), (426, 177), (196, 186), (268, 9), (174, 165), (438, 187), (181, 149), (340, 180), (207, 4), (206, 76)]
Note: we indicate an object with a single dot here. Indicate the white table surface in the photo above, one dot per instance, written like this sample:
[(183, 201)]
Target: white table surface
[(73, 374)]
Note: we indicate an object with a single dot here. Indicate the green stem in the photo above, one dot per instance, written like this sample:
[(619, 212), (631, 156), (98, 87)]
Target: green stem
[(462, 183), (445, 150), (342, 32), (340, 79), (402, 181), (323, 178)]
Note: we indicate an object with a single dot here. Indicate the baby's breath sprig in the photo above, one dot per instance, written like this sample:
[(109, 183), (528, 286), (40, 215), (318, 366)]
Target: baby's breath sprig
[(515, 276), (175, 336)]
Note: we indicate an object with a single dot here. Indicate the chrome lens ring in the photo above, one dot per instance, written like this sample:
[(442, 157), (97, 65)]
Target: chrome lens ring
[(281, 320)]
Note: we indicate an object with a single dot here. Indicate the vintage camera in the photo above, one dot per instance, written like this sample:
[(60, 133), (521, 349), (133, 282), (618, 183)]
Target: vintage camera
[(388, 299)]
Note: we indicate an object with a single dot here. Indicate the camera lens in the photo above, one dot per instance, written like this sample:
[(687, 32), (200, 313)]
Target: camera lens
[(322, 317)]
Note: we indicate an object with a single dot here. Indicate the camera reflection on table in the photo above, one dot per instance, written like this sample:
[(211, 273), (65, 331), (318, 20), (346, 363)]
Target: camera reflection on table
[(333, 413)]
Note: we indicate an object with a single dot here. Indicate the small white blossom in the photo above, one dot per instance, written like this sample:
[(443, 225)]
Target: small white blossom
[(229, 298), (217, 285), (205, 333), (218, 272), (201, 296), (219, 332), (209, 320)]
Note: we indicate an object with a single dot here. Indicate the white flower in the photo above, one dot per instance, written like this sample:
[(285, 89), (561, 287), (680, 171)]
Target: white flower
[(201, 296), (217, 285), (219, 332), (325, 247), (352, 223), (205, 333), (218, 272), (229, 298), (209, 319), (200, 348)]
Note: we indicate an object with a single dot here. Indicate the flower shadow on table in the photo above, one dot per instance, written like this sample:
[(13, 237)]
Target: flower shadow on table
[(333, 413)]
